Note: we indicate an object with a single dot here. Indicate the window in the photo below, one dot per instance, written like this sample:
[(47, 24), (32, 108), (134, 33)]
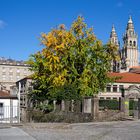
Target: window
[(121, 88), (1, 104), (108, 88), (125, 52), (108, 98), (134, 43), (25, 71), (10, 77), (1, 109), (114, 88), (131, 33), (18, 77), (18, 71), (18, 74), (3, 73), (10, 73), (130, 43), (10, 70), (3, 69), (4, 77)]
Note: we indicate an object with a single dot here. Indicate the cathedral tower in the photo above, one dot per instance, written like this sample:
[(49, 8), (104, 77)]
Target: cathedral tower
[(130, 48), (114, 41), (113, 37)]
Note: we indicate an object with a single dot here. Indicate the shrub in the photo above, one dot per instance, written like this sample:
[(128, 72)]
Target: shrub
[(109, 104), (46, 108)]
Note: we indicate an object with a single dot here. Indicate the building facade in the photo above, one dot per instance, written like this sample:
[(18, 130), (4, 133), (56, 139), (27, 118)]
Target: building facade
[(8, 108), (127, 67), (12, 71), (127, 79), (129, 51), (24, 86)]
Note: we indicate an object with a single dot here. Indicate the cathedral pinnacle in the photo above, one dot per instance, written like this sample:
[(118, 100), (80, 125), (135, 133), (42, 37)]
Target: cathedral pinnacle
[(113, 28), (130, 23), (113, 36), (113, 32), (130, 19)]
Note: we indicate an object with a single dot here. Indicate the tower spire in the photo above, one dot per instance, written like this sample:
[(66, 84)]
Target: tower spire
[(114, 40), (130, 25), (113, 36), (130, 48), (130, 19)]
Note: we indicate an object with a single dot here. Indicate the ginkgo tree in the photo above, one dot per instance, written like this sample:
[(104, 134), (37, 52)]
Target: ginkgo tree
[(72, 64)]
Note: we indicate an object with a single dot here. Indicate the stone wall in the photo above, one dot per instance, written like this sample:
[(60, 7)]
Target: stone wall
[(111, 115), (77, 111)]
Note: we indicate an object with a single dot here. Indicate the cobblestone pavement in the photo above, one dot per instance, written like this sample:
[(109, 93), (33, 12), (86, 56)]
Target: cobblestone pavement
[(122, 130)]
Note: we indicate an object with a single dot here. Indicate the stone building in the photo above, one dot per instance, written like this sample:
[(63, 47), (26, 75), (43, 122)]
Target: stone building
[(127, 68), (129, 51), (24, 86), (12, 71)]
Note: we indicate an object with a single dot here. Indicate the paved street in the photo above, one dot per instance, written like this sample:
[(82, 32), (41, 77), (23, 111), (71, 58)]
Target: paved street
[(125, 130), (13, 133)]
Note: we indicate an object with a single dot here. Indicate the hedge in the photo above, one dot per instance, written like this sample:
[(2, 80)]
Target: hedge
[(109, 104)]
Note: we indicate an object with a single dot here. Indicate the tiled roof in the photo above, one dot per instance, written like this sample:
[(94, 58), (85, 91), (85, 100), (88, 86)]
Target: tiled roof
[(135, 67), (5, 61), (4, 94), (25, 78), (126, 77)]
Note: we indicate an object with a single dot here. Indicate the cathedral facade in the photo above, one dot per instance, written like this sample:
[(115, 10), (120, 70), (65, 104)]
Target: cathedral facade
[(127, 67), (129, 51)]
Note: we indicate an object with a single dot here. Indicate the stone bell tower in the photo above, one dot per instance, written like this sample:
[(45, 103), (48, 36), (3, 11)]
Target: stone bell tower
[(113, 37), (114, 40), (130, 47)]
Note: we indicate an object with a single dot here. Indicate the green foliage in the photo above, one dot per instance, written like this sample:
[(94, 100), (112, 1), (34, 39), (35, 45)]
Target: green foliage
[(109, 104), (72, 64), (67, 117), (45, 107), (133, 105)]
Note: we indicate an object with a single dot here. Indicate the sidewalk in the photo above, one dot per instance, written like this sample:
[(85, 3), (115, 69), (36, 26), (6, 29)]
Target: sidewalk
[(8, 132)]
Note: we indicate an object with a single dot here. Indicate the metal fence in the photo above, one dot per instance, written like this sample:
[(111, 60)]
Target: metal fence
[(9, 114)]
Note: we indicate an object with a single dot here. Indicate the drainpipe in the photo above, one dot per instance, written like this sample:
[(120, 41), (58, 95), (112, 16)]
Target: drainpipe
[(19, 88)]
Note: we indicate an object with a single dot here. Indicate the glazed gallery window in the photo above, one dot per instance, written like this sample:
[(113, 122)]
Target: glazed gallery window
[(120, 88), (114, 88), (108, 88)]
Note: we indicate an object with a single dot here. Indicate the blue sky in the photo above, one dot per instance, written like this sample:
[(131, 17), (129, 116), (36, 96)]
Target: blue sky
[(22, 21)]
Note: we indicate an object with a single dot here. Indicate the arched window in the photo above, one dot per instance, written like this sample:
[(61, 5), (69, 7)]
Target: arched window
[(134, 43), (126, 52), (130, 43)]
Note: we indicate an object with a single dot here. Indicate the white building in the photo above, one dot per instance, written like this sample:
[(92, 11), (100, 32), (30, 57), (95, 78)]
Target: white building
[(8, 108), (127, 79)]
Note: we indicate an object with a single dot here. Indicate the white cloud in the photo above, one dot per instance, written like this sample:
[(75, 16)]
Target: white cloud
[(120, 4), (2, 24)]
